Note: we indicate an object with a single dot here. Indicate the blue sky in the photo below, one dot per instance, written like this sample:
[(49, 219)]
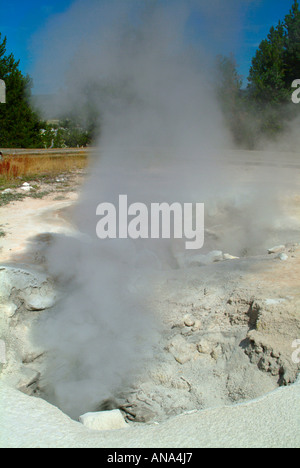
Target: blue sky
[(20, 20)]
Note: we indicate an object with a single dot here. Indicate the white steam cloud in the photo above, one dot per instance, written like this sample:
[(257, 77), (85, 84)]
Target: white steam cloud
[(162, 140)]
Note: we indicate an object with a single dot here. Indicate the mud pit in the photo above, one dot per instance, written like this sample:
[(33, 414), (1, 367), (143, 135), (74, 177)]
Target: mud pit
[(224, 333)]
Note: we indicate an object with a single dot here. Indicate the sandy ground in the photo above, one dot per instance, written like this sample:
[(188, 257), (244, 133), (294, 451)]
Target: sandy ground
[(272, 421), (24, 220), (21, 221)]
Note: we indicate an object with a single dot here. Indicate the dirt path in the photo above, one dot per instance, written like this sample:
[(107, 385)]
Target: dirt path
[(23, 220)]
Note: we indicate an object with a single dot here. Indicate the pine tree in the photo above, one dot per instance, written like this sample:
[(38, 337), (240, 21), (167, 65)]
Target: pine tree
[(19, 125), (267, 74), (277, 61), (292, 46), (230, 95)]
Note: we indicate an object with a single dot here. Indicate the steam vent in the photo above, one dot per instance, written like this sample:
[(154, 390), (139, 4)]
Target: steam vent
[(2, 92), (150, 227)]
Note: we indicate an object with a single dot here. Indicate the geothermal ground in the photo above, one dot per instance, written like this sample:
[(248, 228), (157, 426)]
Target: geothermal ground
[(227, 325)]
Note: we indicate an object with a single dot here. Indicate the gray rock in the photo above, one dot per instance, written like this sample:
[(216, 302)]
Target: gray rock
[(18, 279), (28, 381), (26, 189), (37, 302), (141, 414), (182, 350), (33, 288), (204, 347), (189, 321)]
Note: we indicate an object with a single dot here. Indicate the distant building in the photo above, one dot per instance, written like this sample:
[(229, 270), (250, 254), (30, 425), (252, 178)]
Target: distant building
[(53, 122), (2, 92)]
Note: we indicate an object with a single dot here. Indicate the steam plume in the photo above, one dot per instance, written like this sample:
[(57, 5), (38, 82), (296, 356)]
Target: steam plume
[(162, 139)]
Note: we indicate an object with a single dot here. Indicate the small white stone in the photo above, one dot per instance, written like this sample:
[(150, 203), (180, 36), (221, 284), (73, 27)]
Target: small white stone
[(104, 420), (276, 249), (215, 256), (283, 257), (8, 309), (36, 302), (230, 257), (272, 302), (188, 321)]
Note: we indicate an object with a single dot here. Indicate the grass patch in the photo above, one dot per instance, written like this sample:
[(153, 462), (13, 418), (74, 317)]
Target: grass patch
[(6, 183), (2, 233), (6, 198), (25, 168), (38, 195)]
